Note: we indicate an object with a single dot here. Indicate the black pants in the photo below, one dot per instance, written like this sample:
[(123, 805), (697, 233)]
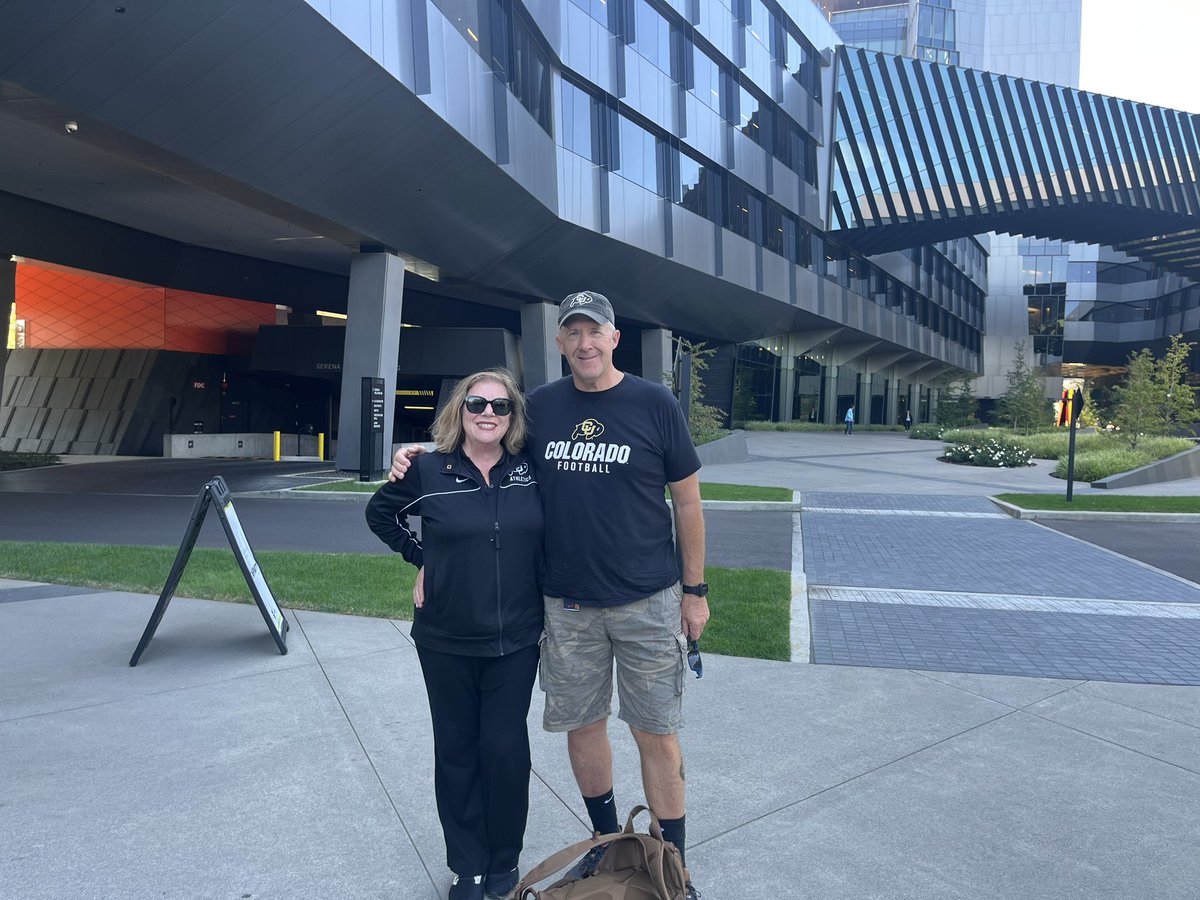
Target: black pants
[(481, 754)]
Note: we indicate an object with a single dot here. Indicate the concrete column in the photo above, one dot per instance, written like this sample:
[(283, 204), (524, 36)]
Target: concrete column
[(862, 406), (372, 347), (8, 294), (541, 362), (831, 394), (787, 381), (934, 395), (890, 405), (657, 360)]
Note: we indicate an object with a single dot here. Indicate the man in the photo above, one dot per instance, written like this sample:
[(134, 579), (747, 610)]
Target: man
[(606, 444)]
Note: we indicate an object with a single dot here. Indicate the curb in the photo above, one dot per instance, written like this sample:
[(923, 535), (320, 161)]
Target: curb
[(1067, 515), (363, 496)]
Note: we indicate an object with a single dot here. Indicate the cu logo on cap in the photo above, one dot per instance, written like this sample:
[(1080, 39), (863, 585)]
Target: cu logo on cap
[(580, 300)]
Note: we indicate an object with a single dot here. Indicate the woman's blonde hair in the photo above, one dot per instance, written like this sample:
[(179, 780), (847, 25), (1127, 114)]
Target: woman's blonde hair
[(448, 428)]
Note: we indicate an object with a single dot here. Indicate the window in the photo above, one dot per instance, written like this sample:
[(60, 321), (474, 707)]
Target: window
[(794, 148), (752, 113), (597, 9), (529, 75), (802, 62), (706, 79), (700, 188), (759, 25), (780, 229), (575, 120), (638, 154), (652, 36), (739, 205)]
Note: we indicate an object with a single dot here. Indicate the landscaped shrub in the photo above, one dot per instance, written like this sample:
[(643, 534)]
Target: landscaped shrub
[(1049, 444), (958, 435), (1054, 444), (1162, 447), (1113, 458), (991, 450), (926, 432), (1102, 463)]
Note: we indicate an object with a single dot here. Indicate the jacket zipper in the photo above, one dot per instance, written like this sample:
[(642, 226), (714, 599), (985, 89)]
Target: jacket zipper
[(499, 587)]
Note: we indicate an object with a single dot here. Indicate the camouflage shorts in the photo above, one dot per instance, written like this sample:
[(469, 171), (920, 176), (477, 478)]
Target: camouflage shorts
[(645, 639)]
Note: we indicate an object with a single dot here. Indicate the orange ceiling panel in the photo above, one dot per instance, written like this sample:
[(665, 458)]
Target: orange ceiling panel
[(67, 308)]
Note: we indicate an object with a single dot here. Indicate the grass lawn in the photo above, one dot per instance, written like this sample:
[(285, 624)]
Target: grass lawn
[(352, 485), (1104, 503), (707, 491), (12, 460), (750, 607)]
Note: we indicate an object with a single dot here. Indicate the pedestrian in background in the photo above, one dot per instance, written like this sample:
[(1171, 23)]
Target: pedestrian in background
[(850, 420)]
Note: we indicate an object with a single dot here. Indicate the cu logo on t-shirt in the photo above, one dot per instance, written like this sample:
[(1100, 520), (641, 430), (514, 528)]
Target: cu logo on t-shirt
[(588, 429)]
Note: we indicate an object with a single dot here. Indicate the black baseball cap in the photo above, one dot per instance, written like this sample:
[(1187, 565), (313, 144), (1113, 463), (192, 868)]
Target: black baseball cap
[(586, 303)]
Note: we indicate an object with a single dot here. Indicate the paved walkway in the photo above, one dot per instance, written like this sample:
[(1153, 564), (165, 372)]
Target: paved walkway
[(219, 768)]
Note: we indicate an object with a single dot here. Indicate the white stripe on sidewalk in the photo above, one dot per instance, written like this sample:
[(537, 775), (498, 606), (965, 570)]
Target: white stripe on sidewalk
[(933, 513), (950, 600)]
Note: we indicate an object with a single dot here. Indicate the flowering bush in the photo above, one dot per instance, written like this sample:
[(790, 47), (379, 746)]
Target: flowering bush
[(988, 450), (927, 432)]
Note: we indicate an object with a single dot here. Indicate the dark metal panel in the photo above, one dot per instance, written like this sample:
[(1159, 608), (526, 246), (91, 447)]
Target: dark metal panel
[(897, 143)]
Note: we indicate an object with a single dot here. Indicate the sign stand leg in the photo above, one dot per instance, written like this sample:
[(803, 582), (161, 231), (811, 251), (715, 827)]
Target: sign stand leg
[(216, 491)]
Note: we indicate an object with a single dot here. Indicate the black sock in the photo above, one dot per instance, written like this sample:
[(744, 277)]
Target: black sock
[(602, 810), (675, 831)]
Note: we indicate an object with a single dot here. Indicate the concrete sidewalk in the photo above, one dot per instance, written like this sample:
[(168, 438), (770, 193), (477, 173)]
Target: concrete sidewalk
[(219, 768)]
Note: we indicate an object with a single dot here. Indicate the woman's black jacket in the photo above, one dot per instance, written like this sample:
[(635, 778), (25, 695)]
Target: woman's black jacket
[(481, 547)]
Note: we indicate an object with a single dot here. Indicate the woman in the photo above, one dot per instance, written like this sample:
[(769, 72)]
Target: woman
[(477, 619)]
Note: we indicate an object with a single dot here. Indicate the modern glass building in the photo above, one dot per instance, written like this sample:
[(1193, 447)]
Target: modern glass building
[(726, 173), (1045, 293)]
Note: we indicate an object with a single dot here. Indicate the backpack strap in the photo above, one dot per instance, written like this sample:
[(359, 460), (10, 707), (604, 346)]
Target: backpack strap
[(655, 827), (561, 860), (568, 855)]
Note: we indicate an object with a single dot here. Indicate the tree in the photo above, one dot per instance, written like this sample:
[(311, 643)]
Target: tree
[(1155, 397), (1024, 403), (957, 405), (1139, 398), (1091, 415), (1178, 405), (704, 422)]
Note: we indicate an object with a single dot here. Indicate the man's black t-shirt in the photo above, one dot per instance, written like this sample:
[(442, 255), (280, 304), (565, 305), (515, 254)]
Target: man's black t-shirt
[(603, 462)]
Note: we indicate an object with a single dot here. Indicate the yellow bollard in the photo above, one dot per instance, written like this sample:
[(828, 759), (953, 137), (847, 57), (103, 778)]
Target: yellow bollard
[(321, 446), (277, 446)]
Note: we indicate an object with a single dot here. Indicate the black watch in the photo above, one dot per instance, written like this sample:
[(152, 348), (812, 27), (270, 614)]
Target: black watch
[(697, 590)]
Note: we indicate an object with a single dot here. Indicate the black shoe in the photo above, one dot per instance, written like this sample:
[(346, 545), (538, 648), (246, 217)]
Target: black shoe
[(500, 884), (586, 866), (467, 887), (690, 892)]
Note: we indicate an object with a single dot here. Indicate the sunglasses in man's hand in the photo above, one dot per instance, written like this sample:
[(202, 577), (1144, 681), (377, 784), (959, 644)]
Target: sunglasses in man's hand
[(695, 663)]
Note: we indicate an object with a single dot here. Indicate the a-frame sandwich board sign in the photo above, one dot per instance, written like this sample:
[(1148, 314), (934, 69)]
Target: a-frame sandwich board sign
[(217, 492)]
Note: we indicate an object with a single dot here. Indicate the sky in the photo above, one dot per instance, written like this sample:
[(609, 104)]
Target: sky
[(1142, 50)]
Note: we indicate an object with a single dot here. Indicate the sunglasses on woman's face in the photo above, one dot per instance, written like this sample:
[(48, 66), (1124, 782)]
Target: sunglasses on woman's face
[(501, 406)]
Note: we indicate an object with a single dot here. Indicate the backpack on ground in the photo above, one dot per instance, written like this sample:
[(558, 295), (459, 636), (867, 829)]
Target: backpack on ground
[(635, 867)]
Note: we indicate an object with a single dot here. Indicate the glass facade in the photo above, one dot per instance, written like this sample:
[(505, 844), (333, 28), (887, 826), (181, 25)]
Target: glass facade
[(880, 28), (992, 149), (918, 146)]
